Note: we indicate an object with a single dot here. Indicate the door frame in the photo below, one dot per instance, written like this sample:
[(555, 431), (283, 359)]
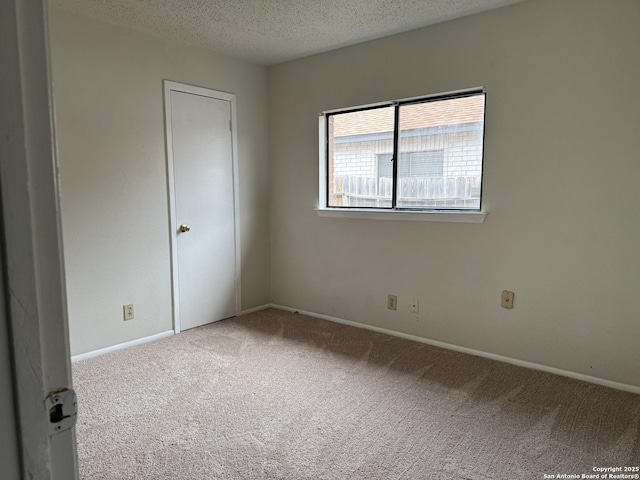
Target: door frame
[(171, 86), (32, 255)]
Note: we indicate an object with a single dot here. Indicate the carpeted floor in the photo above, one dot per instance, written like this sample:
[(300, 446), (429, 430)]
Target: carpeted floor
[(274, 395)]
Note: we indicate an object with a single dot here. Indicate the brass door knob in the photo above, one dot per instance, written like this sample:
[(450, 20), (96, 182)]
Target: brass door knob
[(184, 228)]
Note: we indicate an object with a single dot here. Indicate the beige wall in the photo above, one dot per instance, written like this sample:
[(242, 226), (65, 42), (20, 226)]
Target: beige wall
[(562, 167), (109, 108)]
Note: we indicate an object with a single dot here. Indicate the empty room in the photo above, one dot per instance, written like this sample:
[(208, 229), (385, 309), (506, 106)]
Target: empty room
[(348, 240)]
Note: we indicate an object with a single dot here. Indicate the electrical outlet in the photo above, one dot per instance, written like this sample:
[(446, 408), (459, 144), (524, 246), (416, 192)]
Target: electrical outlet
[(507, 299), (392, 302), (415, 306), (128, 311)]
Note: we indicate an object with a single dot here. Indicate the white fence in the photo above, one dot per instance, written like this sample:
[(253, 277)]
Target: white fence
[(451, 192)]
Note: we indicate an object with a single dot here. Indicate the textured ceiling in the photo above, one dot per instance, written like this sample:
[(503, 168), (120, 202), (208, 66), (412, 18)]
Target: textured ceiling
[(268, 32)]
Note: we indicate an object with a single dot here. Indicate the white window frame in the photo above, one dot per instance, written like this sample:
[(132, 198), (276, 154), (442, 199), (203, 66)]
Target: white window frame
[(431, 215)]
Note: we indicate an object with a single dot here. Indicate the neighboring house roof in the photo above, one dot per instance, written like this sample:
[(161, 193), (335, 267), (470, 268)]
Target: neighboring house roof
[(413, 116)]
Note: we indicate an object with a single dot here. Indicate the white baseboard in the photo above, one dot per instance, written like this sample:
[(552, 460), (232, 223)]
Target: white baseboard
[(514, 361), (151, 338), (120, 346), (255, 309)]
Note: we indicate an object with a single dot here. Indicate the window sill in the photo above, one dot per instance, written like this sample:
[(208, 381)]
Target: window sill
[(413, 216)]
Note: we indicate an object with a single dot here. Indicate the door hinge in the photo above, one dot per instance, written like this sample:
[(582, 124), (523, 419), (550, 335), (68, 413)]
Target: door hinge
[(62, 406), (230, 125)]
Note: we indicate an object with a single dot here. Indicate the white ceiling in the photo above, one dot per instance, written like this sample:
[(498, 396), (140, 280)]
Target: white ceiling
[(268, 32)]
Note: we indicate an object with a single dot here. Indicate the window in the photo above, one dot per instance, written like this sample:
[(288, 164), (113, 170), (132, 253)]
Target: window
[(417, 154), (413, 164)]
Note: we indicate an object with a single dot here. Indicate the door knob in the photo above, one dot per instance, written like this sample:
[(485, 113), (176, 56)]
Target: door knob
[(184, 228)]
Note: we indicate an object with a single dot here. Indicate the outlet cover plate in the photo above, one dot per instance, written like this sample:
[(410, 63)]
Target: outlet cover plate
[(128, 311), (507, 299), (392, 302), (415, 305)]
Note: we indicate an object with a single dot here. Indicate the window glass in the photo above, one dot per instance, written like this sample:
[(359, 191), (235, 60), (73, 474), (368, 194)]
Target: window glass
[(436, 142), (450, 178), (354, 142)]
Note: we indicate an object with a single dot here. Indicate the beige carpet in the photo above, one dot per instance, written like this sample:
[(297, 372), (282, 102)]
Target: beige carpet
[(274, 395)]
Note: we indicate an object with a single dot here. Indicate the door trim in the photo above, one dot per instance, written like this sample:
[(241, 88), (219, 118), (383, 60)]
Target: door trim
[(170, 86), (32, 266)]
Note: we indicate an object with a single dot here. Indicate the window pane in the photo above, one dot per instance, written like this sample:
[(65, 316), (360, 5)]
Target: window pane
[(440, 161), (385, 165), (426, 164), (359, 154)]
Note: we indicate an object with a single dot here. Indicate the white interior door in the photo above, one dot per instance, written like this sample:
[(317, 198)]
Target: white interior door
[(204, 206)]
